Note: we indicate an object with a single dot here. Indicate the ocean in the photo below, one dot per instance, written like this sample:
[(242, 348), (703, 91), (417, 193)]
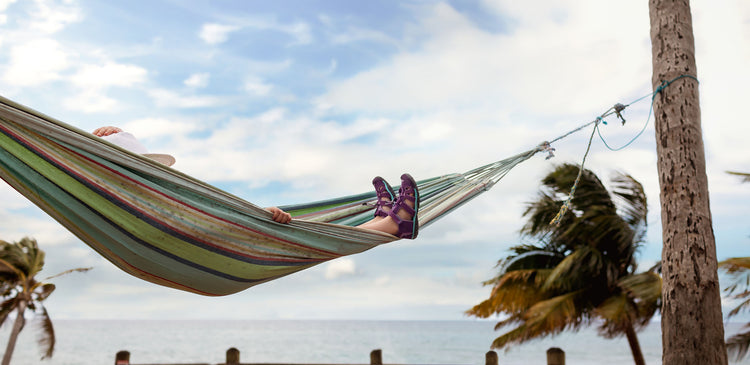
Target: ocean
[(93, 342)]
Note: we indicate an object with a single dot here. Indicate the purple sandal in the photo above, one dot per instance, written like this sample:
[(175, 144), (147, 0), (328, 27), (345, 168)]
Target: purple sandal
[(385, 195), (407, 193)]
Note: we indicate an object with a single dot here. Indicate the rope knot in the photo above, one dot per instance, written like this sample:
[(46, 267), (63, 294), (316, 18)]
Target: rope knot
[(558, 218), (546, 147)]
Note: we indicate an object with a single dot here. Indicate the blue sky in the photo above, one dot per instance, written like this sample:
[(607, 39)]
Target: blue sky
[(283, 102)]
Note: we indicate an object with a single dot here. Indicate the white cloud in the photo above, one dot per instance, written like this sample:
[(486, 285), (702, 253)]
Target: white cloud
[(168, 98), (340, 268), (353, 35), (92, 82), (721, 43), (382, 280), (4, 4), (257, 87), (213, 33), (197, 81), (19, 224), (36, 62), (51, 16), (300, 31), (11, 198), (90, 101), (550, 66), (278, 145), (216, 33), (108, 74), (157, 127), (350, 34)]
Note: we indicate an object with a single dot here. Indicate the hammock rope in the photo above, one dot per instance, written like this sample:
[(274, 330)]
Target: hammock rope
[(171, 229), (617, 110)]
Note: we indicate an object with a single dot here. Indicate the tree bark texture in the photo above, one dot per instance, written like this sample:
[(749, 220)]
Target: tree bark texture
[(692, 328)]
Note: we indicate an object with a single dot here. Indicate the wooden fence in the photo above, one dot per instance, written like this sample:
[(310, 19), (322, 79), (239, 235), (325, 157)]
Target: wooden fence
[(555, 356)]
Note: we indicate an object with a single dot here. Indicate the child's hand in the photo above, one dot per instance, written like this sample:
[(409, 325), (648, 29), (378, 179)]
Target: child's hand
[(279, 215), (105, 131)]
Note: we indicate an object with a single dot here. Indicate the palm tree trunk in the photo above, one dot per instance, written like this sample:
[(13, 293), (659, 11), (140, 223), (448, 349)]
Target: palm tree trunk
[(692, 329), (635, 346), (17, 326)]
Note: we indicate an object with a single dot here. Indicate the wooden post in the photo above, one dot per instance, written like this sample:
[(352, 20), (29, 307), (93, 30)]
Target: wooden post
[(233, 356), (376, 357), (692, 328), (555, 356), (122, 358), (490, 358)]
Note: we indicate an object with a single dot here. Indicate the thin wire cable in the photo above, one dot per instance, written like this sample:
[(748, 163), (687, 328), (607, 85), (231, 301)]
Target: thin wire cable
[(613, 110), (659, 88)]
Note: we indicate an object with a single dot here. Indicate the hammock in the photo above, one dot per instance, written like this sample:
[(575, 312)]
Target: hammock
[(168, 228)]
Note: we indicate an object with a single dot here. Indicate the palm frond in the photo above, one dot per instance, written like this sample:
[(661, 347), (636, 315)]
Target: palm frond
[(516, 335), (738, 345), (532, 260), (7, 266), (46, 337), (521, 334), (545, 318), (513, 293), (633, 205), (575, 270), (80, 269), (617, 312), (644, 287), (555, 314), (744, 305), (745, 176), (8, 306), (540, 213), (517, 251), (738, 269), (35, 255), (735, 264), (44, 291)]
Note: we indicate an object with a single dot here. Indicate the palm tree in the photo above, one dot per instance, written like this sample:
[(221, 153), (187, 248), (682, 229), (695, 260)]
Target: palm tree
[(692, 298), (580, 271), (20, 262), (739, 269)]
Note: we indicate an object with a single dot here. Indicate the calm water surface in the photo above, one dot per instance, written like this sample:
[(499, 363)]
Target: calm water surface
[(92, 342)]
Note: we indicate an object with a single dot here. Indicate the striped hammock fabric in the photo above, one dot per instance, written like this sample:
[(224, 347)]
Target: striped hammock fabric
[(168, 228)]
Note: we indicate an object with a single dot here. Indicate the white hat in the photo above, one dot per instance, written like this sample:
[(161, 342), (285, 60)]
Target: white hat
[(130, 143)]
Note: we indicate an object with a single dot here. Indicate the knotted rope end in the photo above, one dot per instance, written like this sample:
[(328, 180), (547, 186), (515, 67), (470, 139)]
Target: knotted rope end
[(558, 218)]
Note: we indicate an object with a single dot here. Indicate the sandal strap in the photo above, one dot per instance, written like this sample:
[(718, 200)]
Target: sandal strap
[(405, 227), (401, 205), (407, 193), (385, 196)]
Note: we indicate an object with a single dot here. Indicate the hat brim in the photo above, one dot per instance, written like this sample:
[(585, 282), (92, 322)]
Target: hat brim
[(161, 158)]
